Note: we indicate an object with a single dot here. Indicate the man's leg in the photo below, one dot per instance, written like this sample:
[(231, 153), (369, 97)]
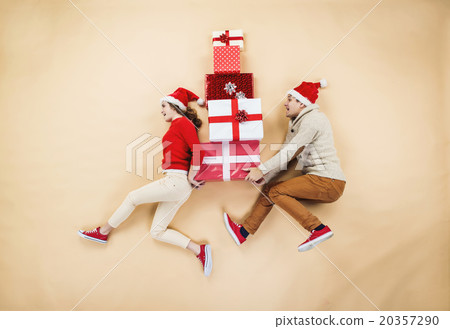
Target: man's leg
[(308, 187), (260, 210), (263, 205)]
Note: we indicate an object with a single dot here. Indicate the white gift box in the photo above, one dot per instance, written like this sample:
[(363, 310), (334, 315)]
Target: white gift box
[(228, 38), (235, 120)]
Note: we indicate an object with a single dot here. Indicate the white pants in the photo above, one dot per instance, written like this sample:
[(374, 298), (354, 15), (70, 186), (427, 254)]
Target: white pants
[(171, 192)]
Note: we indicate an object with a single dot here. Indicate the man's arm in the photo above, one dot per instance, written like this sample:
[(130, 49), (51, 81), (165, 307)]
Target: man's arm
[(289, 151)]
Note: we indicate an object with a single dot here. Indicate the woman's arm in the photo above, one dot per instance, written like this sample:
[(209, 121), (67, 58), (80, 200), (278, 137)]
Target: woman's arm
[(190, 136)]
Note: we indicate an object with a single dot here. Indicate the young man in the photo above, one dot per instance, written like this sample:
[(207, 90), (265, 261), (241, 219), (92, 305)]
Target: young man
[(310, 139)]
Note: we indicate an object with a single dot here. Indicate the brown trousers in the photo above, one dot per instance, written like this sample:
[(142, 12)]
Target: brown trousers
[(287, 194)]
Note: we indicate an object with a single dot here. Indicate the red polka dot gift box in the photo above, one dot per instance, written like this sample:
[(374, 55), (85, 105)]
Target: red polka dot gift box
[(227, 60)]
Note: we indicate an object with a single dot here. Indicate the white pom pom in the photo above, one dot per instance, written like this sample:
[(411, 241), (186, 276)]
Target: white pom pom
[(201, 101), (323, 83)]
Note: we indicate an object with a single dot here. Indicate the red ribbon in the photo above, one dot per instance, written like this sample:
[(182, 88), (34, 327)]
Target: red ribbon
[(225, 38), (232, 118)]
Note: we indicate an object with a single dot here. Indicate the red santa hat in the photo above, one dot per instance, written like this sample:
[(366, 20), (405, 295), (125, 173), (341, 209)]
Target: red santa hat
[(181, 97), (307, 92)]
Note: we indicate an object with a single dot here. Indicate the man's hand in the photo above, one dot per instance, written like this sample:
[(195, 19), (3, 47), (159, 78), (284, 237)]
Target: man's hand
[(260, 181), (254, 175)]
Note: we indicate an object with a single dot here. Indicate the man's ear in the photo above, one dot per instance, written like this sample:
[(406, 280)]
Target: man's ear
[(302, 106)]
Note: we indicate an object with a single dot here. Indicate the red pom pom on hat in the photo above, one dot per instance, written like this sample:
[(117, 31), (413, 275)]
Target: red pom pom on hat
[(181, 97)]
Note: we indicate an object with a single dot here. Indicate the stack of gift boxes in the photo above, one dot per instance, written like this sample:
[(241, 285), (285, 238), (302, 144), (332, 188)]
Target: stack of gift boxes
[(234, 116)]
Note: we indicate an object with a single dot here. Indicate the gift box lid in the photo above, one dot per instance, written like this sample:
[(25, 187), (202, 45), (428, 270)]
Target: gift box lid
[(228, 38)]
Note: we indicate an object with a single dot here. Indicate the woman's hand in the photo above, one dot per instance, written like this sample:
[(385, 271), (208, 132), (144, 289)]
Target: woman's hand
[(254, 175), (196, 184)]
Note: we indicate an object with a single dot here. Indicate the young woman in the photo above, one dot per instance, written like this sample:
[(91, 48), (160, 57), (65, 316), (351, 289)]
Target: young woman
[(176, 186)]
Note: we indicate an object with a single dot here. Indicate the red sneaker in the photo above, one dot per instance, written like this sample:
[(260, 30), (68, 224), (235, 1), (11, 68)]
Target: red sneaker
[(234, 229), (94, 235), (315, 238), (205, 258)]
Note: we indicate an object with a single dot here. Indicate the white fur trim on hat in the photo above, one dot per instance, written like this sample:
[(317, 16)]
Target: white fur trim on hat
[(323, 83), (201, 101), (299, 97), (173, 100)]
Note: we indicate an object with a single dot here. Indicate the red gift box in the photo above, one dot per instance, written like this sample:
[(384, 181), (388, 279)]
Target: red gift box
[(228, 86), (225, 161), (227, 59)]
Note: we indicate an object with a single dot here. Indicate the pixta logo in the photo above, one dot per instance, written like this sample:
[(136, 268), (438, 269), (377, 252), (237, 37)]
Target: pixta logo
[(142, 153)]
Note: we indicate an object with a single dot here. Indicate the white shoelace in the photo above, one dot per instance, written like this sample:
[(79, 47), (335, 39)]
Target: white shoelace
[(199, 257), (310, 235)]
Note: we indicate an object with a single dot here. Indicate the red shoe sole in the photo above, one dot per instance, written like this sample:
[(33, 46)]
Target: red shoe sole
[(80, 233), (311, 244)]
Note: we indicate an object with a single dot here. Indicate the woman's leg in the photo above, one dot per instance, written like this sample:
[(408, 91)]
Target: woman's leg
[(165, 189), (163, 216), (194, 247), (106, 229), (159, 231)]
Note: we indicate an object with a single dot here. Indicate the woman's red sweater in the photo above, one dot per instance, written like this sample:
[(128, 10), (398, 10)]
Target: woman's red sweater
[(179, 145)]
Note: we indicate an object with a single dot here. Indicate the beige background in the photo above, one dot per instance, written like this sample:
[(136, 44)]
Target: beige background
[(71, 102)]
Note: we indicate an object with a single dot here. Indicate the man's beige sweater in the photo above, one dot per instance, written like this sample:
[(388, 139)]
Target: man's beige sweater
[(311, 130)]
